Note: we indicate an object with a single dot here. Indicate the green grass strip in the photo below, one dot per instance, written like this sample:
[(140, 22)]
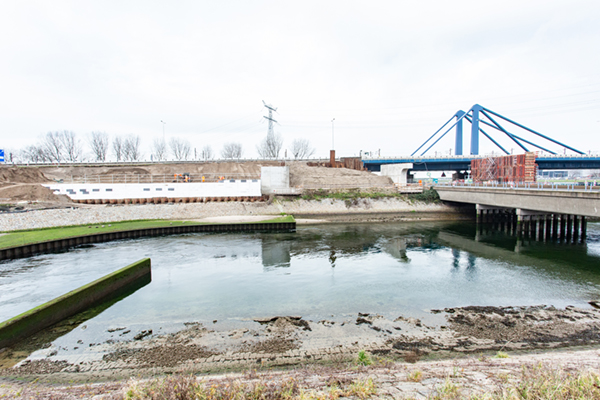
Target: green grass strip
[(21, 238)]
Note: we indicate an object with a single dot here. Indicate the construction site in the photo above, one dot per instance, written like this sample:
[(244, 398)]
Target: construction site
[(24, 183)]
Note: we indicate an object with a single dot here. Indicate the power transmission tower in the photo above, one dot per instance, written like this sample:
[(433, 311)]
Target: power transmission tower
[(270, 132)]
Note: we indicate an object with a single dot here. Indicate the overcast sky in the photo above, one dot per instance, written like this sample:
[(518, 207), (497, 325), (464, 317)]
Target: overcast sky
[(389, 72)]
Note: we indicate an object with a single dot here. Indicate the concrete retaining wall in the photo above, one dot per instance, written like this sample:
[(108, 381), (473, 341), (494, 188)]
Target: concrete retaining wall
[(100, 214), (62, 244), (90, 295), (102, 193)]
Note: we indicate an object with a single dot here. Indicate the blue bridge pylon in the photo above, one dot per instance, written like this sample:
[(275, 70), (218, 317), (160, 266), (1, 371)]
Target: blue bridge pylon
[(474, 117)]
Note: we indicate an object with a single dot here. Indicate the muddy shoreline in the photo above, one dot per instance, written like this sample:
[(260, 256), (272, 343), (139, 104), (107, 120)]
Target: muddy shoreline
[(291, 341)]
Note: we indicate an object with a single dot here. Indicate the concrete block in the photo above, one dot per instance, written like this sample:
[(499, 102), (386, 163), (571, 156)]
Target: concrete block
[(272, 178), (398, 172)]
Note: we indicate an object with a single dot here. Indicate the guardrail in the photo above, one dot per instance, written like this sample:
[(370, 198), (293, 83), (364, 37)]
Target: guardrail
[(154, 162), (158, 178), (585, 187)]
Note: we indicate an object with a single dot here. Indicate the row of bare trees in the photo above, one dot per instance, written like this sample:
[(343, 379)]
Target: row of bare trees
[(271, 146), (66, 146)]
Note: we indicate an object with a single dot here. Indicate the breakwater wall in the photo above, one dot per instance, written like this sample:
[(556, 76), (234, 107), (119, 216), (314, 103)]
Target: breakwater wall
[(95, 214), (90, 295), (63, 244)]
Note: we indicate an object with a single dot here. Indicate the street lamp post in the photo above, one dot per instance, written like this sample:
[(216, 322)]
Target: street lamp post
[(332, 143)]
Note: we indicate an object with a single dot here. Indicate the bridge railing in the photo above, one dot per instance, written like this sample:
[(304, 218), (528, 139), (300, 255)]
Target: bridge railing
[(562, 186)]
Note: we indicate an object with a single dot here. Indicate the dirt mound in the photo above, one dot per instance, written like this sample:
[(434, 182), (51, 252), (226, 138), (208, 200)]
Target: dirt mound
[(126, 171), (22, 175), (301, 175), (30, 192), (232, 169)]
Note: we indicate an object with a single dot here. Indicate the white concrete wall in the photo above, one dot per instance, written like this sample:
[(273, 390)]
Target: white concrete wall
[(274, 178), (398, 172), (93, 191)]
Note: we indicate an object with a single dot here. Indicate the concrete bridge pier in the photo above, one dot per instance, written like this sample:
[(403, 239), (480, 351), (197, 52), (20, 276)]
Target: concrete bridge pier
[(563, 223), (549, 218), (575, 228), (531, 223)]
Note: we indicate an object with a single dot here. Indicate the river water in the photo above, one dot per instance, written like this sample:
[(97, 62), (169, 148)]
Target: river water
[(322, 271)]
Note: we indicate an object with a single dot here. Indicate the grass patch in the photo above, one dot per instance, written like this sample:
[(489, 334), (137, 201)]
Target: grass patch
[(287, 218), (363, 358), (415, 376), (20, 238), (537, 382), (189, 388), (350, 197)]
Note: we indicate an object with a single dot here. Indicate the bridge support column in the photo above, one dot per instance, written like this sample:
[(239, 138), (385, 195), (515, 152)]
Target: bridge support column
[(554, 226), (569, 227), (583, 228), (540, 234), (548, 227), (527, 223), (575, 228), (563, 222)]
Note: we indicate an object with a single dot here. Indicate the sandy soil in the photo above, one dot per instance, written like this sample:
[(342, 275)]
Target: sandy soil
[(234, 219), (277, 342), (303, 176)]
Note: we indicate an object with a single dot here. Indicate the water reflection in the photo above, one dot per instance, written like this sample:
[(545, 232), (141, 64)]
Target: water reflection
[(275, 254), (318, 271)]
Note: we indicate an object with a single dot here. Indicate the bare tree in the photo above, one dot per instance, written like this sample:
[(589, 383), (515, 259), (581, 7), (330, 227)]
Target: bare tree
[(71, 145), (52, 147), (301, 148), (118, 147), (159, 148), (270, 146), (34, 153), (131, 148), (98, 142), (180, 148), (232, 150), (206, 153)]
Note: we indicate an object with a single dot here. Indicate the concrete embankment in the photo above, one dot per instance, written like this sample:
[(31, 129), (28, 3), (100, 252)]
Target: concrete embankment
[(90, 295), (329, 209), (66, 243)]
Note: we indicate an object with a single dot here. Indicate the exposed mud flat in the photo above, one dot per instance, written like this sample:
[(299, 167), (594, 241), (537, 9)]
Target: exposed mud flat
[(282, 341)]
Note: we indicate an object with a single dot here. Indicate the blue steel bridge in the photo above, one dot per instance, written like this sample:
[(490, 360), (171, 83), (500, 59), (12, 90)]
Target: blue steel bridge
[(463, 163), (480, 117)]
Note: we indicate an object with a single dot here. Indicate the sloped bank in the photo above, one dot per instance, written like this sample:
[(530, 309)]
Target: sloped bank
[(328, 210)]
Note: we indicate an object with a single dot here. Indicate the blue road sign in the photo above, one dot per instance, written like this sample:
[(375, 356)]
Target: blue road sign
[(1, 155)]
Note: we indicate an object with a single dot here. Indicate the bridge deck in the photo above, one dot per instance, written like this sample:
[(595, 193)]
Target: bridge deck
[(576, 200)]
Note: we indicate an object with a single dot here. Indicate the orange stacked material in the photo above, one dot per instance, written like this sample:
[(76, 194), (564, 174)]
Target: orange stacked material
[(519, 168)]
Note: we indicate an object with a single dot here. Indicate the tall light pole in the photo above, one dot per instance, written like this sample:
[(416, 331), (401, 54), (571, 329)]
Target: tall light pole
[(163, 122), (332, 146)]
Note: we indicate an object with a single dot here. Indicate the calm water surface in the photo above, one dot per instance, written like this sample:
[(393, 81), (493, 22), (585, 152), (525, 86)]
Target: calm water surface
[(328, 271)]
